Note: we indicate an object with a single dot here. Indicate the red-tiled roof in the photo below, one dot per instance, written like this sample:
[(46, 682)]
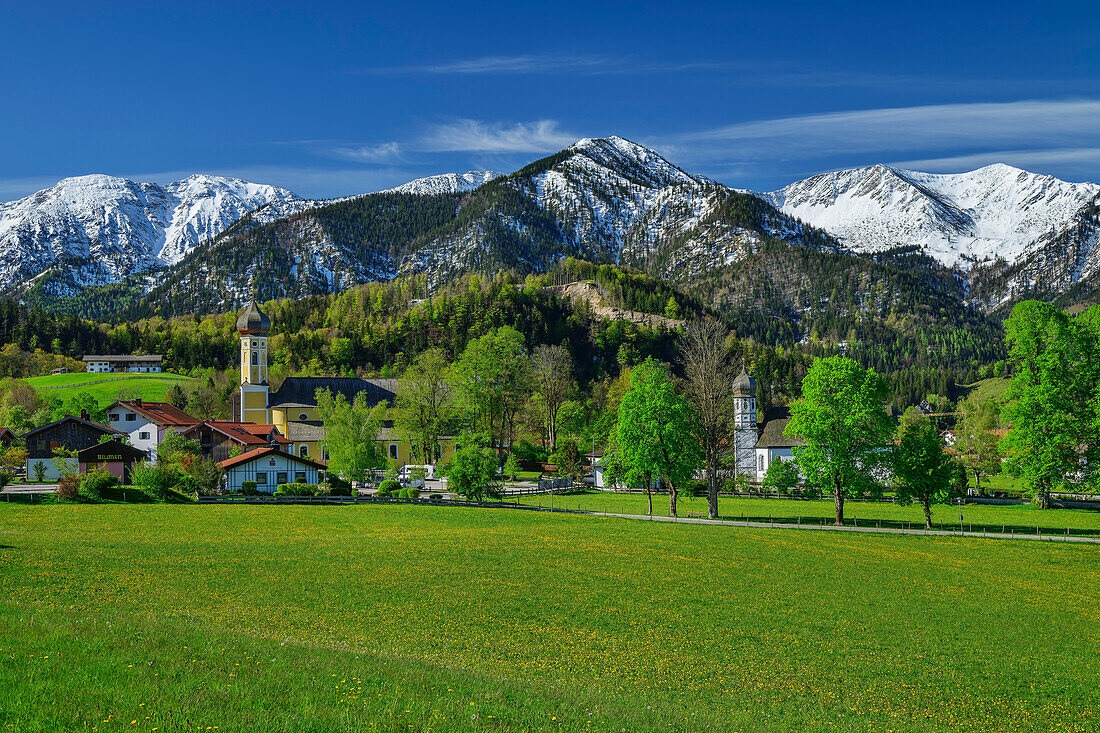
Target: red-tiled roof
[(261, 453), (245, 433), (161, 413)]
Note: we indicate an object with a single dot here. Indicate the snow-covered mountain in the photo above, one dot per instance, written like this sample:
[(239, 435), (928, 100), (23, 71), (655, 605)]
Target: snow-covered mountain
[(604, 200), (114, 226), (994, 212), (446, 183)]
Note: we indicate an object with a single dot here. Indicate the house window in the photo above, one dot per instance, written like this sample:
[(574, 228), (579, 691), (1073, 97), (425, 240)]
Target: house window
[(280, 477), (41, 444), (113, 417), (303, 416), (143, 436), (393, 451), (130, 417), (760, 463), (255, 359), (261, 478), (303, 451), (300, 477)]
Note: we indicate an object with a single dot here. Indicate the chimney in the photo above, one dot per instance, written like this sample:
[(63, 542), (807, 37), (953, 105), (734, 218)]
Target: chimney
[(138, 402), (84, 415)]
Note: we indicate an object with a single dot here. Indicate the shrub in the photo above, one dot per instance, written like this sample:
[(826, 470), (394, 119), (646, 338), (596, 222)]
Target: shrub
[(781, 476), (296, 490), (435, 497), (156, 480), (389, 487), (409, 493), (248, 488), (5, 478), (68, 488), (96, 482), (334, 490)]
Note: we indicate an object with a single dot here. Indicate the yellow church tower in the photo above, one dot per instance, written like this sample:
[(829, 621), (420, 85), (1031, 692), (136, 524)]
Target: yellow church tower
[(253, 326)]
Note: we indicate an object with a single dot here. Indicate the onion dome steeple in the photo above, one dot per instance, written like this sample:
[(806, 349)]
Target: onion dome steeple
[(253, 321)]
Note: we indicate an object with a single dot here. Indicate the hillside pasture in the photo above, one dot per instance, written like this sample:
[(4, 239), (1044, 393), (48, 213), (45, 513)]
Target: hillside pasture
[(292, 618), (106, 388)]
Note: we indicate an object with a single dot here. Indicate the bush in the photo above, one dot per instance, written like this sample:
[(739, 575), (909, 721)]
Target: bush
[(68, 488), (156, 480), (334, 490), (96, 482), (389, 487), (296, 490), (6, 477), (409, 493), (248, 488), (435, 497), (781, 476)]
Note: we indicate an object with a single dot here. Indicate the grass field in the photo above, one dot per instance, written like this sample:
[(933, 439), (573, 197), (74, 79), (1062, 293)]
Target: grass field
[(810, 510), (106, 388), (183, 618)]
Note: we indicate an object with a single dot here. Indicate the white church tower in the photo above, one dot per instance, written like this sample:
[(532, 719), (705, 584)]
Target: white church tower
[(744, 424)]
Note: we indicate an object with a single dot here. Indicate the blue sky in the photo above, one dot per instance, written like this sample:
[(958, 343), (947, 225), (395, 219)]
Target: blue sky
[(346, 98)]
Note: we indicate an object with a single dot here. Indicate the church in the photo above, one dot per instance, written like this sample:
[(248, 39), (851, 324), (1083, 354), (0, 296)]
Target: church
[(757, 443), (292, 408)]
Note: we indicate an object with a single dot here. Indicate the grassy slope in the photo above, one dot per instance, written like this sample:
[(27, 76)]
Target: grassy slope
[(107, 387), (989, 389), (400, 618)]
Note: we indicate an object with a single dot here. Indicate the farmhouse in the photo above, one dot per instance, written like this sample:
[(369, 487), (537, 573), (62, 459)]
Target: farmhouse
[(7, 437), (292, 408), (104, 364), (269, 467), (146, 423), (69, 433), (218, 438)]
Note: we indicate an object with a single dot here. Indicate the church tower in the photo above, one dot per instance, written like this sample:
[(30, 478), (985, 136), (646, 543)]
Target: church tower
[(744, 425), (253, 327)]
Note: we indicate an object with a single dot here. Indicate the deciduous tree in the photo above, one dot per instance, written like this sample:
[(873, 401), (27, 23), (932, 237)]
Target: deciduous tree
[(493, 375), (552, 371), (708, 386), (923, 471), (842, 420), (425, 403), (655, 435), (351, 434)]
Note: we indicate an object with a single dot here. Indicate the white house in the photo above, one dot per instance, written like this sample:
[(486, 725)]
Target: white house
[(108, 363), (269, 467), (146, 423)]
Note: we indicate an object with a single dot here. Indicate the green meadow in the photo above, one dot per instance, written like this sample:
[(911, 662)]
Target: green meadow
[(106, 388), (399, 618), (813, 511)]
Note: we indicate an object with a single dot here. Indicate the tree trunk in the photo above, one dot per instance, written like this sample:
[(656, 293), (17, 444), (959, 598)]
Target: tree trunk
[(649, 492), (671, 499), (928, 515), (712, 491), (838, 503), (1042, 499)]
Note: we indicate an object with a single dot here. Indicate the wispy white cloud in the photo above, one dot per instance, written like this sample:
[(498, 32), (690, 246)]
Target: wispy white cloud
[(950, 127), (522, 64), (541, 136), (381, 153)]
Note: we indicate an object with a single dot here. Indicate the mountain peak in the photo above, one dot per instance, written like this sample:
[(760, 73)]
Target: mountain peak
[(446, 183)]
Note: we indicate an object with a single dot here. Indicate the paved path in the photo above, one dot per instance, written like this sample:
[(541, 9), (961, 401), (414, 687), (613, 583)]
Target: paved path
[(834, 528)]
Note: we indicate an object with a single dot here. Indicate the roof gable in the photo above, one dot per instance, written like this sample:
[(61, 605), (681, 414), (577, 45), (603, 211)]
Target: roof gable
[(258, 453)]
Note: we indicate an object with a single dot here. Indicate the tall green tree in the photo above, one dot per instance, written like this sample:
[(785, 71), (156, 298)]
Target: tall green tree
[(351, 434), (655, 436), (1052, 408), (425, 403), (843, 422), (923, 471), (977, 440), (493, 377), (472, 471)]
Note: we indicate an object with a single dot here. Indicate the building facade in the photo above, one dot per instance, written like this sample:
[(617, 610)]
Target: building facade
[(292, 408), (70, 433), (269, 467), (106, 364), (146, 423)]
